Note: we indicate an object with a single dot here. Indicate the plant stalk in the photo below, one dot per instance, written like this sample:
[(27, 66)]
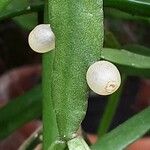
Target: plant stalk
[(50, 130), (110, 110)]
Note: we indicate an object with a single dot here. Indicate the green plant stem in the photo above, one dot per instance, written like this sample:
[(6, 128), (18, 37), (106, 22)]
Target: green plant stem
[(135, 7), (110, 110), (78, 143), (78, 28), (50, 130)]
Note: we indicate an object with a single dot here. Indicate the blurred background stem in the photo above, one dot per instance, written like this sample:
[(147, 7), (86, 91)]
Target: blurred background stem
[(138, 7), (110, 110)]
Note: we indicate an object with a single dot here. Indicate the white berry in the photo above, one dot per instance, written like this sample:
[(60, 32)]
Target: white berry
[(103, 78), (41, 39)]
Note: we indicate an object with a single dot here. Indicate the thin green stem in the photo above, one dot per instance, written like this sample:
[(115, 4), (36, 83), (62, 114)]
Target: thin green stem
[(50, 130), (110, 110)]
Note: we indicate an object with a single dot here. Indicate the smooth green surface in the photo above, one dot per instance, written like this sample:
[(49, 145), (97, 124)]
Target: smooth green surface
[(135, 7), (116, 14), (78, 27), (20, 111), (125, 134), (50, 129), (19, 7), (77, 143), (127, 58), (129, 62), (110, 110), (138, 49), (58, 145), (3, 4), (27, 21)]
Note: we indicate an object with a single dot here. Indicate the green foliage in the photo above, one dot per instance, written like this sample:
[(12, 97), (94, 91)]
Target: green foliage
[(126, 58), (113, 102), (121, 15), (3, 4), (79, 36), (130, 63), (27, 21), (78, 26), (57, 145), (135, 7), (20, 111), (126, 133), (15, 8), (78, 143), (138, 49), (20, 7), (141, 8)]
